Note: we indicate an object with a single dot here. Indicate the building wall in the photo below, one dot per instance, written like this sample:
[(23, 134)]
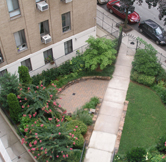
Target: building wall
[(83, 13)]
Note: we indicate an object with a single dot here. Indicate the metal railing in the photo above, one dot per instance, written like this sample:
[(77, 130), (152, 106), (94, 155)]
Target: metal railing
[(82, 152)]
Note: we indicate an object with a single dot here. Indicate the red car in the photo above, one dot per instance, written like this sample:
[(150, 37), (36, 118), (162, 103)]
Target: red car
[(114, 7)]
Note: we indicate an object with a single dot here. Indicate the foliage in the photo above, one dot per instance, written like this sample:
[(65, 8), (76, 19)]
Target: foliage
[(145, 62), (82, 128), (158, 158), (92, 103), (145, 115), (78, 142), (136, 155), (86, 118), (24, 76), (161, 75), (161, 144), (161, 91), (39, 100), (14, 107), (142, 79), (49, 140), (101, 53), (9, 84)]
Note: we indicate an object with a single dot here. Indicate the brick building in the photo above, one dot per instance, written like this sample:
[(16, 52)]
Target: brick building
[(34, 31)]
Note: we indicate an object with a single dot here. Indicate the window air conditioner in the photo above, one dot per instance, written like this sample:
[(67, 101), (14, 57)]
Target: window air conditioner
[(42, 6), (46, 39), (66, 1)]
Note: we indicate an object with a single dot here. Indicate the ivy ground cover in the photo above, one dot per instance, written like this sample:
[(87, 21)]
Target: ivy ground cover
[(145, 120)]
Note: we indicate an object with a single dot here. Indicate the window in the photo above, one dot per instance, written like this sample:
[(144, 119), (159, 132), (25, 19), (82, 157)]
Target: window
[(13, 7), (44, 28), (27, 63), (20, 40), (1, 57), (68, 47), (116, 7), (48, 56), (66, 25), (3, 72)]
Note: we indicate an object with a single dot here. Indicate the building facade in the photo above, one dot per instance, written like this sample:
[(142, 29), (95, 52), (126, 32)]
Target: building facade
[(34, 32)]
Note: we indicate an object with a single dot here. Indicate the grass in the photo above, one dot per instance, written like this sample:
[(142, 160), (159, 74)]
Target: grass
[(145, 120)]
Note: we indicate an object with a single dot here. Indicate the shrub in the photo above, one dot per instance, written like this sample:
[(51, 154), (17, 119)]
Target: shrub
[(14, 107), (86, 118), (9, 84), (158, 158), (161, 144), (136, 155), (92, 103), (134, 75), (146, 80), (24, 75), (65, 68), (100, 52), (146, 62), (82, 128), (78, 142), (161, 75)]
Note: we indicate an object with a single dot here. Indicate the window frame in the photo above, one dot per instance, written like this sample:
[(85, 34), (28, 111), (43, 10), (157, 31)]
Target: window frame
[(29, 67), (1, 61), (22, 39), (46, 55), (66, 15), (3, 72), (68, 44), (16, 9), (44, 24)]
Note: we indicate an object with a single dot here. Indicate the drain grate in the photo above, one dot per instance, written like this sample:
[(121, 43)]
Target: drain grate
[(73, 93)]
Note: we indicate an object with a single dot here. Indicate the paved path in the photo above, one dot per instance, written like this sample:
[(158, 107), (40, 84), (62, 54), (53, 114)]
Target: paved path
[(78, 94)]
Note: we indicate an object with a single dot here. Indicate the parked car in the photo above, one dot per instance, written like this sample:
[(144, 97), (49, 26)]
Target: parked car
[(114, 7), (153, 30), (102, 1)]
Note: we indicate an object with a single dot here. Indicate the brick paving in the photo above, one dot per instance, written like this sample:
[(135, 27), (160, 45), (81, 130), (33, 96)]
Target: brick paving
[(84, 91)]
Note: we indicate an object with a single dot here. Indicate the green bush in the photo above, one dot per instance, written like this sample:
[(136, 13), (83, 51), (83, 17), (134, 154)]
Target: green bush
[(161, 91), (78, 142), (100, 52), (161, 144), (158, 158), (136, 155), (14, 107), (24, 75), (92, 103), (86, 118), (65, 68), (82, 128), (146, 80), (146, 62), (134, 75), (9, 84)]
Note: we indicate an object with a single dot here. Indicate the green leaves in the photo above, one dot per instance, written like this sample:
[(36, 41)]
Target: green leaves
[(101, 53)]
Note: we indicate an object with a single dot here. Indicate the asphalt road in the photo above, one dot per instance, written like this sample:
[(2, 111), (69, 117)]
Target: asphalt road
[(145, 14)]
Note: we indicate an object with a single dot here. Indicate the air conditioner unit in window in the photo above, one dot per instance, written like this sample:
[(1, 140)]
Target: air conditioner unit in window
[(46, 39), (42, 6), (66, 1)]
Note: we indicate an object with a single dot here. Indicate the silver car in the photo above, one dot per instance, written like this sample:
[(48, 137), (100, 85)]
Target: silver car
[(102, 1)]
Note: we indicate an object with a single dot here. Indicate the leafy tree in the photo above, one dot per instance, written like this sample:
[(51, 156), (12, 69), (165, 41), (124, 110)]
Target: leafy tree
[(24, 75), (100, 52), (14, 107), (9, 84)]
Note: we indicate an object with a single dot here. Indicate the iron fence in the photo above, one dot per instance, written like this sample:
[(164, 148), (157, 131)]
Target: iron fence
[(81, 159)]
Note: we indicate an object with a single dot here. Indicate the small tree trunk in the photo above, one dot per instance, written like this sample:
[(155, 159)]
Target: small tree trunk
[(126, 18)]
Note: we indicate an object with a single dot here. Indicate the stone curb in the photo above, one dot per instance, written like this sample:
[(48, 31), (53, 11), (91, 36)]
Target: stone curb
[(121, 124), (83, 79)]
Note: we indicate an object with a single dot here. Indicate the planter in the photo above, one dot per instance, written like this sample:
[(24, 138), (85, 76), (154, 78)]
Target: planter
[(52, 62)]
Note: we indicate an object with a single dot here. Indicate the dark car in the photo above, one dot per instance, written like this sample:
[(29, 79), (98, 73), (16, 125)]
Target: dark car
[(153, 30), (114, 7)]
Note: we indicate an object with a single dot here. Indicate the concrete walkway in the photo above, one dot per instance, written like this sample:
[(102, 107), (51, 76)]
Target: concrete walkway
[(102, 142)]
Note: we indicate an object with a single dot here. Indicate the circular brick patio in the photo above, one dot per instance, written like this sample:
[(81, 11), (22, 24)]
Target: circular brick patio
[(78, 94)]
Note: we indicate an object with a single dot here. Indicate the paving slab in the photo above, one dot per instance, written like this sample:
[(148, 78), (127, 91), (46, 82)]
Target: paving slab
[(9, 139), (107, 123), (115, 95), (11, 154), (102, 141), (111, 111), (123, 71), (95, 155), (1, 119), (119, 83), (4, 129), (124, 60), (18, 148), (25, 157)]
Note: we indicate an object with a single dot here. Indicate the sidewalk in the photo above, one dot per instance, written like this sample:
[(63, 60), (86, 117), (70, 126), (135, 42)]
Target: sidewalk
[(102, 142)]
